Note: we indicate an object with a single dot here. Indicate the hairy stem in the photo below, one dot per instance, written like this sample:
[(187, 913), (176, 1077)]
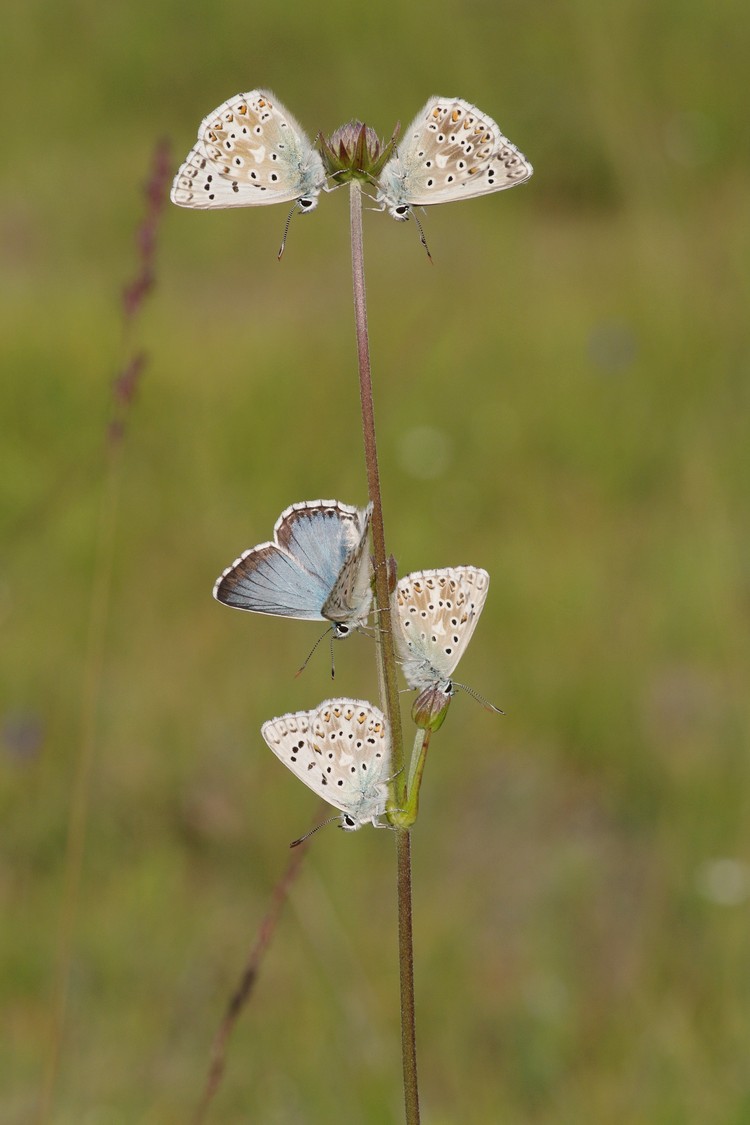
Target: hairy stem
[(387, 657)]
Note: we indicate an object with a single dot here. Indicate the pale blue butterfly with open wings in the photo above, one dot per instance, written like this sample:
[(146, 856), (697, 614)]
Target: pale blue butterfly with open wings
[(450, 151), (250, 152), (317, 568), (341, 750)]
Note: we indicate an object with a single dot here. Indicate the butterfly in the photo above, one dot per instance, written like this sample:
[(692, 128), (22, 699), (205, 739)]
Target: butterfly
[(450, 151), (436, 612), (341, 751), (250, 152), (317, 567)]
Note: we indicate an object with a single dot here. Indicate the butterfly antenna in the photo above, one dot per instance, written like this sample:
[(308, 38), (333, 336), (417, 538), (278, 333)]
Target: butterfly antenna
[(312, 650), (333, 663), (286, 232), (307, 835), (422, 238), (479, 698)]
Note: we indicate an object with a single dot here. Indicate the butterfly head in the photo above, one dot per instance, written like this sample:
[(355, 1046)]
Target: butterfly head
[(401, 212)]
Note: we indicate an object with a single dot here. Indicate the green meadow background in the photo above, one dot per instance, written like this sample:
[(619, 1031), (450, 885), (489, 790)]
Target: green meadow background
[(561, 398)]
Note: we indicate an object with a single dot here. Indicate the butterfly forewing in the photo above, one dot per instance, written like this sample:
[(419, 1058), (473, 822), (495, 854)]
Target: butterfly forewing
[(341, 751), (250, 152), (437, 612)]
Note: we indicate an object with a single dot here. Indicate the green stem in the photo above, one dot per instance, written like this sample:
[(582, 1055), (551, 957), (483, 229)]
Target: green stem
[(416, 763), (387, 658), (406, 814)]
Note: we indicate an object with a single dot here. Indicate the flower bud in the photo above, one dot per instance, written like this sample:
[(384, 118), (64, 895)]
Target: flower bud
[(431, 707), (355, 151)]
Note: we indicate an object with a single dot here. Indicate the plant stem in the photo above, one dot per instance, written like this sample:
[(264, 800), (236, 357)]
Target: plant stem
[(78, 813), (387, 657), (243, 990), (124, 388), (382, 596), (406, 968), (416, 769)]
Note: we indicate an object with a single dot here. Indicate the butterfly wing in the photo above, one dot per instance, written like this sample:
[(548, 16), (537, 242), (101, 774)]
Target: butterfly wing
[(250, 152), (266, 579), (450, 151), (351, 596), (328, 538), (437, 612), (341, 751), (311, 570)]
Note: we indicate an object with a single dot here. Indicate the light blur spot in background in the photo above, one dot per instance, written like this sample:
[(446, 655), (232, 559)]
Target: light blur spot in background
[(425, 452), (725, 881)]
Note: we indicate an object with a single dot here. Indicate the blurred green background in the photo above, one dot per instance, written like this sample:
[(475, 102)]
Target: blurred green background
[(562, 398)]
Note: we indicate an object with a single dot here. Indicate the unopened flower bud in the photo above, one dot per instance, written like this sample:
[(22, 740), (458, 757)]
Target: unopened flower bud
[(431, 707), (355, 151)]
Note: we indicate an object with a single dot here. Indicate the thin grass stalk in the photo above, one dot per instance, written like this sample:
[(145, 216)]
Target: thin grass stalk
[(124, 389), (246, 984), (387, 658), (78, 811)]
